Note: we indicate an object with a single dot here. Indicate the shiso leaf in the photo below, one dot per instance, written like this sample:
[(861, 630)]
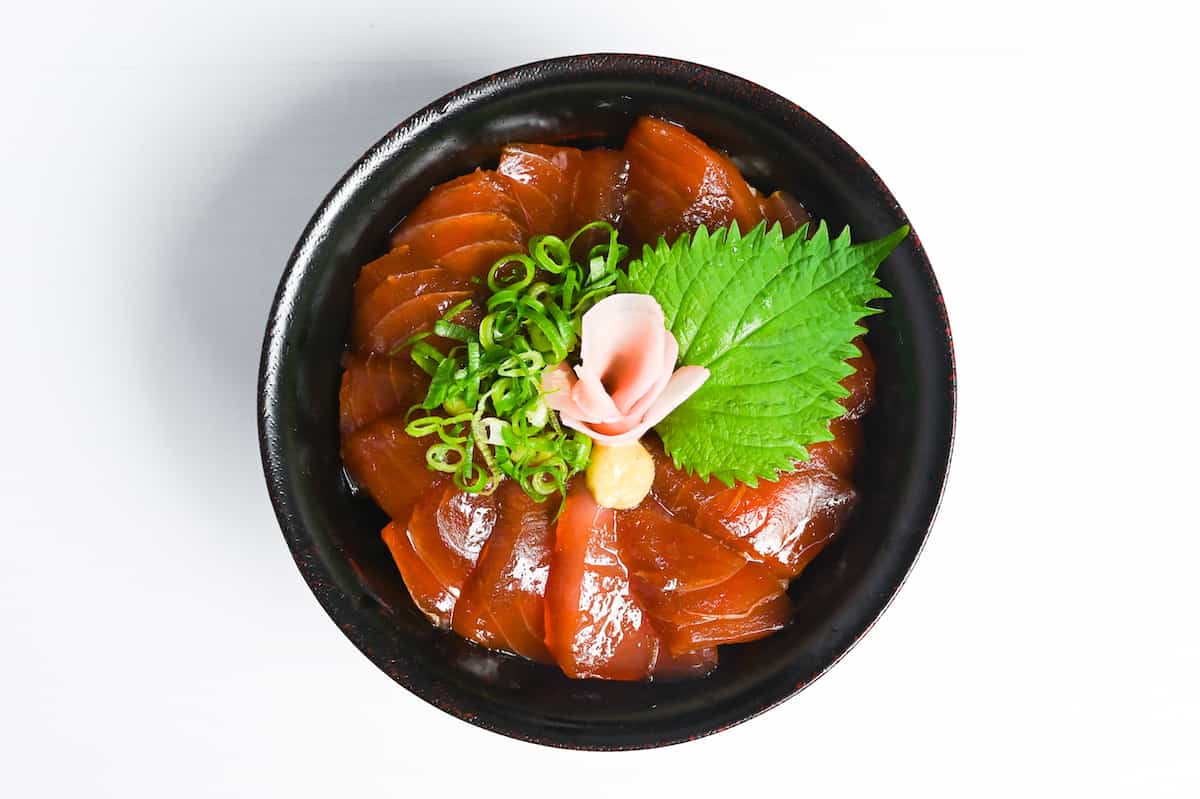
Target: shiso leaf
[(773, 318)]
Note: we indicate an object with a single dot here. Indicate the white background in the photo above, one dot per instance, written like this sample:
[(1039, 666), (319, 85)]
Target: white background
[(159, 161)]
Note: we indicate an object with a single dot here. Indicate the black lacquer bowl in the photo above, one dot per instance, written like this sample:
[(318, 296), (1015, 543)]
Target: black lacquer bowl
[(334, 534)]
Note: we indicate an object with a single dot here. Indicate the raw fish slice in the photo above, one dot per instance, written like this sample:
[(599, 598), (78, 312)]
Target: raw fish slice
[(478, 191), (399, 261), (837, 456), (429, 595), (595, 626), (683, 495), (477, 259), (437, 238), (415, 316), (781, 207), (465, 225), (599, 194), (661, 209), (658, 201), (377, 385), (396, 290), (707, 188), (668, 555), (762, 621), (685, 665), (447, 528), (783, 523), (446, 233), (753, 585), (861, 384), (503, 603), (542, 178), (390, 465)]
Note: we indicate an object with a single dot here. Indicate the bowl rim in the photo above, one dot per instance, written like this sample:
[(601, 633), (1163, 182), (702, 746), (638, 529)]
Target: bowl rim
[(593, 66)]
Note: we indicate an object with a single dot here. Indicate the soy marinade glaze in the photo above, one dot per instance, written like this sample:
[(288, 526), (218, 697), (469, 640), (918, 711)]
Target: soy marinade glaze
[(648, 593)]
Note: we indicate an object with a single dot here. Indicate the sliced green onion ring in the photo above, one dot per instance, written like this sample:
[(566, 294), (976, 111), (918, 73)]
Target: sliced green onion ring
[(485, 402)]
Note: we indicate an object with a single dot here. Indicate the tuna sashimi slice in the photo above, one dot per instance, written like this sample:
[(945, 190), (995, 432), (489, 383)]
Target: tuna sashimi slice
[(781, 207), (438, 238), (669, 555), (682, 494), (594, 624), (390, 465), (684, 665), (417, 315), (477, 259), (429, 594), (395, 290), (503, 603), (599, 194), (478, 191), (448, 528), (736, 599), (376, 385), (707, 188), (784, 524), (399, 261), (542, 177), (838, 455), (752, 586), (765, 619)]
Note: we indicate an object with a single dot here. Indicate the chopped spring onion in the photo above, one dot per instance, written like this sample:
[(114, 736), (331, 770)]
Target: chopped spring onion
[(485, 410)]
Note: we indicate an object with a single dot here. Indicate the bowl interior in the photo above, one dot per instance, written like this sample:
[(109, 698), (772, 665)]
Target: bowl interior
[(334, 534)]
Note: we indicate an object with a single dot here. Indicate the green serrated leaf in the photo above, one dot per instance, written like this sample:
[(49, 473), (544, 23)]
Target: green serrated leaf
[(773, 318)]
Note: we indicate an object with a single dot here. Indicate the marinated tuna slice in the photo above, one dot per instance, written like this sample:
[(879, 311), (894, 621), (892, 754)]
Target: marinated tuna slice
[(478, 191), (669, 555), (476, 259), (684, 665), (376, 385), (447, 529), (678, 183), (599, 193), (390, 465), (399, 261), (542, 178), (734, 598), (783, 208), (395, 290), (503, 603), (838, 455), (765, 619), (429, 595), (783, 523), (397, 327), (683, 495), (595, 626), (451, 241), (861, 384)]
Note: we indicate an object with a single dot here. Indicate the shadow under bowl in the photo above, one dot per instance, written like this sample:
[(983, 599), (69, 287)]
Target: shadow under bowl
[(334, 534)]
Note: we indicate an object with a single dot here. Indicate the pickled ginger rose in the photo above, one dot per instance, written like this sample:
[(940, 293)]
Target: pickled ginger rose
[(626, 381)]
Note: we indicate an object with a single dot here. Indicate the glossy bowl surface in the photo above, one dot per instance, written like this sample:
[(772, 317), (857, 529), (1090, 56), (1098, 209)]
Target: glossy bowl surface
[(334, 534)]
